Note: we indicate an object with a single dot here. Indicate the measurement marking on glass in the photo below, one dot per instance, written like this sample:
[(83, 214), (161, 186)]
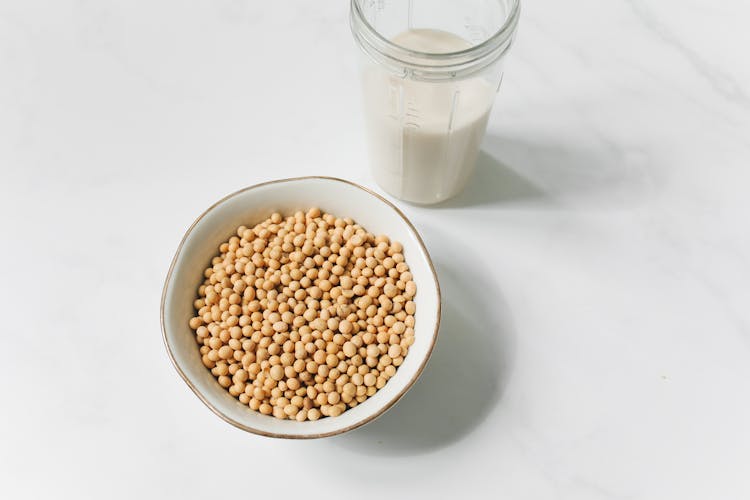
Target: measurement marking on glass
[(476, 32)]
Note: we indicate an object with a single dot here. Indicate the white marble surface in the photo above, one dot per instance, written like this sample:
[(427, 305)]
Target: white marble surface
[(596, 339)]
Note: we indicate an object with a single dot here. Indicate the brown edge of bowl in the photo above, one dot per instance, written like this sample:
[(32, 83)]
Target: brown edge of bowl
[(362, 422)]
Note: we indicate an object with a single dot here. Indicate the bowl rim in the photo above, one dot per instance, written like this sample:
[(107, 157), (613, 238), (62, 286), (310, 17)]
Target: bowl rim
[(355, 425)]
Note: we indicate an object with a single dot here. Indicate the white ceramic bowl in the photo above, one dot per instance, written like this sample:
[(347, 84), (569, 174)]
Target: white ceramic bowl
[(250, 206)]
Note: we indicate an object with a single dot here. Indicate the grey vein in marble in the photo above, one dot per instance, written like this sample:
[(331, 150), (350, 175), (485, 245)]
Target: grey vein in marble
[(722, 83)]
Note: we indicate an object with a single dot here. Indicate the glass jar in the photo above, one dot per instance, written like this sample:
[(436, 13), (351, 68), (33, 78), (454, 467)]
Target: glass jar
[(430, 70)]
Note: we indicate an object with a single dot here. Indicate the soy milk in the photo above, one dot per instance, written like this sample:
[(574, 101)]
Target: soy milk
[(425, 135)]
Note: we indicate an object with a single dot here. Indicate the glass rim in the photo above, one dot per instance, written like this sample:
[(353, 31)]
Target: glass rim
[(495, 41)]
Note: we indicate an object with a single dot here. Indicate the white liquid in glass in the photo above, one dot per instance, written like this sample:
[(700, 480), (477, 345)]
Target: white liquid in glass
[(424, 136)]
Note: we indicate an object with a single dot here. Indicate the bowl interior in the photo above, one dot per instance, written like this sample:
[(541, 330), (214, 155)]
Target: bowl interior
[(249, 207)]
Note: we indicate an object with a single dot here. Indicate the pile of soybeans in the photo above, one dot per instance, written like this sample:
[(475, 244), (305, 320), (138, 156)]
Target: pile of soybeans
[(305, 316)]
